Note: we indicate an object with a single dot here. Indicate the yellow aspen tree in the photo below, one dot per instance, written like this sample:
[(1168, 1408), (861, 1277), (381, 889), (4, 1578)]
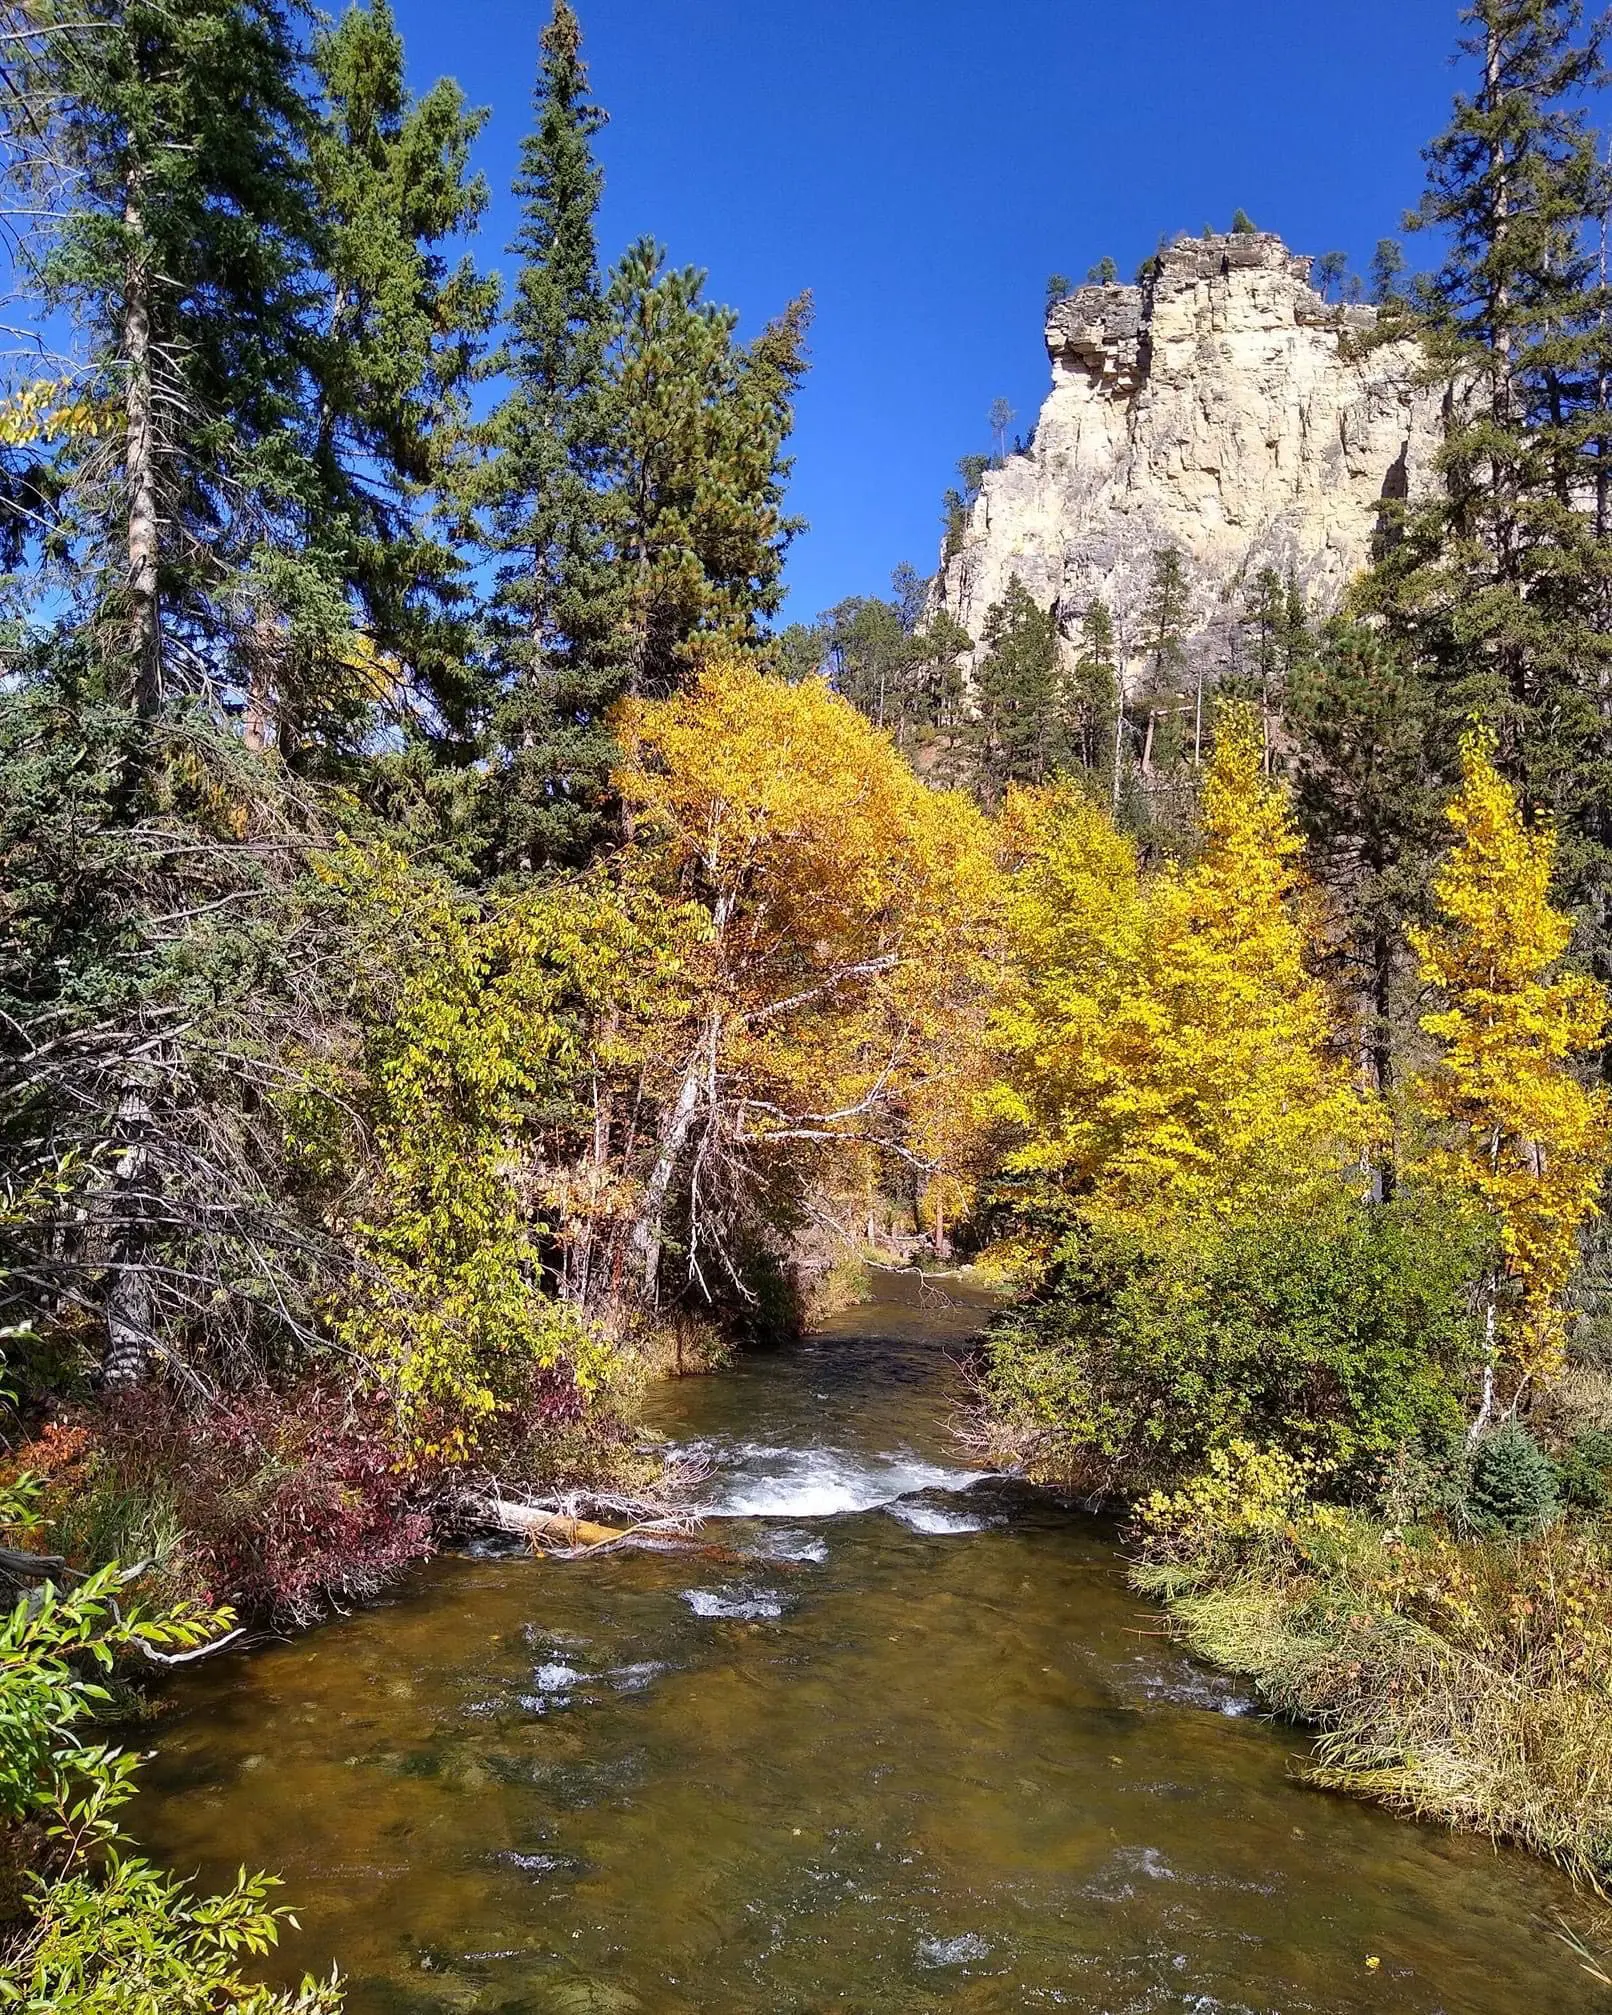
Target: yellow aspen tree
[(1521, 1134), (1165, 1046), (843, 903)]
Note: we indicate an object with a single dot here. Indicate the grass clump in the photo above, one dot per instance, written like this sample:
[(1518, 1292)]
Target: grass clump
[(1464, 1677)]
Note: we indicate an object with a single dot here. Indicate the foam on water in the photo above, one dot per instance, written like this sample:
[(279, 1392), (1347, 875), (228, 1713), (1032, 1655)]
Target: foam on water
[(753, 1480), (634, 1678), (934, 1518), (558, 1678), (798, 1548), (746, 1605), (953, 1951)]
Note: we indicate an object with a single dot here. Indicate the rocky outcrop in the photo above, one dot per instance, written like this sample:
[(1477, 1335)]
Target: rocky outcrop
[(1219, 407)]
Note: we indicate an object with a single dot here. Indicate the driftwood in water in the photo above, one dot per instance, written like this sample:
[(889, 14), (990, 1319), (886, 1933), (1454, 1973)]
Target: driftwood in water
[(553, 1528), (566, 1530)]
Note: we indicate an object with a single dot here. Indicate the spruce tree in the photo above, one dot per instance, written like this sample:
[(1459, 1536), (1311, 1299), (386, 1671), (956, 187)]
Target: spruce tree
[(556, 608), (399, 346), (268, 342), (697, 465), (1499, 583), (182, 248)]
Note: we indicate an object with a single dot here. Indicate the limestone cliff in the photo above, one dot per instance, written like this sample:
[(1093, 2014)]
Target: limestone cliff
[(1216, 407)]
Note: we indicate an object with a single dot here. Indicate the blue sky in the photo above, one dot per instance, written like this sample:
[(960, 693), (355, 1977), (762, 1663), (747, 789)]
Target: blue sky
[(923, 165)]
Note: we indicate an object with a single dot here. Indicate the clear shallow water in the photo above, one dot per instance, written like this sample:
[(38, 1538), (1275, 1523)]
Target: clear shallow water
[(897, 1739)]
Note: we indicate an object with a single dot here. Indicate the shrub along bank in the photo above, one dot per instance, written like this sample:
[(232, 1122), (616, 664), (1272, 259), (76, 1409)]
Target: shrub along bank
[(1335, 1346)]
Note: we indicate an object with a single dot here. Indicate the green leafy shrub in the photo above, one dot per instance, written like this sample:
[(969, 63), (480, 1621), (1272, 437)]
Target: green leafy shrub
[(1340, 1336), (95, 1929), (1512, 1484)]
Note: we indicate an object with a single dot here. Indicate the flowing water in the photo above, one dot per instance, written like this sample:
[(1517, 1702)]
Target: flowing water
[(900, 1739)]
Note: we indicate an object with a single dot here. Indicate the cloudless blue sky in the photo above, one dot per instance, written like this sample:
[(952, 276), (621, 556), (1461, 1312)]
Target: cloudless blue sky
[(923, 165)]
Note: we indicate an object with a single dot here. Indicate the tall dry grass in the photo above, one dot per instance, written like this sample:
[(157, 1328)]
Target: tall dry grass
[(1463, 1681)]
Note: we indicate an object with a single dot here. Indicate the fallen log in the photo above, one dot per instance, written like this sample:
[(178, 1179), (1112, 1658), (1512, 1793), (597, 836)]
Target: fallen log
[(557, 1531)]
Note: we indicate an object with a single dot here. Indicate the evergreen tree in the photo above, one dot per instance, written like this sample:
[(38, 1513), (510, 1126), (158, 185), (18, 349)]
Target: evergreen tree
[(1499, 584), (1369, 756), (1387, 264), (556, 610), (269, 341), (698, 465), (870, 651), (1275, 640), (1001, 418), (1329, 271), (1058, 285), (957, 503), (1164, 622), (889, 658), (1015, 733), (1103, 274), (182, 248), (1091, 693), (391, 186)]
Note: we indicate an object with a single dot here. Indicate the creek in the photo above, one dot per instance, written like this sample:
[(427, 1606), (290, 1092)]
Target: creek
[(901, 1742)]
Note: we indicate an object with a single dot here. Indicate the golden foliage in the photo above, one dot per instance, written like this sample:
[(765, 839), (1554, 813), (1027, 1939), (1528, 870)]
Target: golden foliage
[(1161, 1042), (1522, 1135), (48, 410), (846, 915)]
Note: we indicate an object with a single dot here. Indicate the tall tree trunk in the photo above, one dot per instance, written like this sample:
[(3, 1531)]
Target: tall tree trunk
[(128, 1311), (649, 1229), (1383, 947), (140, 465)]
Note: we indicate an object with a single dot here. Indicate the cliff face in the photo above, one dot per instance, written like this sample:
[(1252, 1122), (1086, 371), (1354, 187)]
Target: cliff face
[(1209, 409)]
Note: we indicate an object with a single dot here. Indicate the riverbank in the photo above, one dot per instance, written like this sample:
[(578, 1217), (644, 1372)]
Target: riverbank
[(1462, 1680), (290, 1503)]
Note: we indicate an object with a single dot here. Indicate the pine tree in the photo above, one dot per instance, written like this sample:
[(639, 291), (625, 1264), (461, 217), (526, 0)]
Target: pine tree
[(1329, 271), (399, 346), (1001, 418), (1164, 624), (1500, 582), (1090, 700), (556, 610), (1387, 263), (698, 465), (1016, 733), (1369, 756)]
